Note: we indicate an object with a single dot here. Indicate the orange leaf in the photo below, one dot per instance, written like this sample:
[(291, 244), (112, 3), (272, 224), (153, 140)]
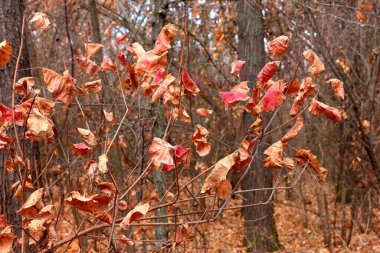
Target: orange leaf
[(307, 87), (318, 108), (360, 16), (6, 240), (161, 152), (93, 204), (92, 49), (107, 64), (304, 157), (24, 87), (163, 40), (274, 155), (94, 86), (317, 66), (199, 138), (293, 131), (235, 95), (87, 136), (204, 112), (6, 52), (278, 46), (163, 87), (189, 85), (292, 88), (87, 65), (337, 86), (137, 212), (32, 205)]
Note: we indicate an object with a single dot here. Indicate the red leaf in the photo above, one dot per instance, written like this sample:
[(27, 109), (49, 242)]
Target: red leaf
[(81, 149), (268, 71), (236, 67), (122, 59), (107, 64), (5, 114), (189, 85), (273, 98), (238, 93)]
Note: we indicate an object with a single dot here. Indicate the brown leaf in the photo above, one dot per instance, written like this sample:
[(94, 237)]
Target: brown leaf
[(6, 52), (306, 89), (63, 88), (199, 138), (6, 240), (219, 173), (318, 108), (278, 46), (109, 116), (107, 64), (139, 211), (103, 159), (224, 189), (337, 86), (90, 67), (32, 205), (274, 155), (292, 88), (256, 128), (163, 87), (24, 87), (289, 163), (94, 86), (87, 136), (37, 226), (293, 131), (40, 127), (316, 65), (92, 49), (163, 40), (182, 233), (106, 217), (181, 112), (126, 241), (39, 20), (93, 204), (161, 152), (305, 157)]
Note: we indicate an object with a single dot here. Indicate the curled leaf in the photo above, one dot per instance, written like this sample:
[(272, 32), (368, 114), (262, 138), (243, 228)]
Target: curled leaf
[(161, 152), (89, 66), (236, 67), (305, 157), (236, 94), (107, 64), (81, 149), (6, 240), (316, 65), (6, 52), (88, 136), (318, 108), (204, 112), (93, 204), (274, 155), (39, 20), (94, 86), (163, 40), (278, 46), (307, 87), (337, 86), (137, 212), (92, 49), (102, 164), (293, 131), (268, 71), (199, 138), (32, 205), (189, 85)]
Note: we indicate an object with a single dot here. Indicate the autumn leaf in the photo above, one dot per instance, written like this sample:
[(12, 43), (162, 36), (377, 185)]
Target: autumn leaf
[(108, 65), (204, 112), (224, 189), (40, 127), (316, 65), (256, 128), (289, 163), (307, 87), (6, 240), (81, 149), (105, 217), (182, 233), (63, 88), (272, 99), (293, 131), (6, 52), (219, 173), (199, 138), (318, 108), (161, 152), (235, 95), (181, 155), (32, 205), (244, 154), (24, 86), (163, 87), (189, 85), (126, 241), (89, 66), (181, 112), (37, 225), (39, 21), (268, 71), (163, 40), (87, 136), (274, 155), (94, 86), (337, 86), (292, 88), (305, 157), (96, 203), (6, 114), (252, 104), (109, 117), (139, 211), (236, 67), (278, 46), (102, 164), (361, 16), (92, 49)]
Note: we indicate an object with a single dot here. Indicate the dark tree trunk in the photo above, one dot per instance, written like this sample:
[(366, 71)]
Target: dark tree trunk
[(260, 229), (11, 16)]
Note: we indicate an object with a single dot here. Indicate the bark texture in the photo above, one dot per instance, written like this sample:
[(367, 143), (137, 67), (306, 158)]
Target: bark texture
[(260, 229)]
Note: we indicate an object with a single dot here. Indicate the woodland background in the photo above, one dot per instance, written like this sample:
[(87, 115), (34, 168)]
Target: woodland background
[(341, 215)]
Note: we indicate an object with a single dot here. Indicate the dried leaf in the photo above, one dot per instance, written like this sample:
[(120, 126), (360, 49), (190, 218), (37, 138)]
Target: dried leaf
[(361, 16), (92, 49), (163, 87), (305, 157), (278, 46), (224, 189), (318, 108), (93, 204), (292, 88), (87, 136), (6, 52), (139, 211), (163, 40), (63, 88), (307, 87), (274, 155), (181, 154), (103, 159), (106, 217), (272, 99), (39, 20), (235, 95), (40, 127), (107, 64), (89, 66), (236, 67), (161, 152), (219, 173), (293, 131), (316, 65), (94, 86), (188, 84), (204, 112), (337, 86), (199, 138), (32, 205), (6, 240), (24, 87), (256, 128), (126, 241)]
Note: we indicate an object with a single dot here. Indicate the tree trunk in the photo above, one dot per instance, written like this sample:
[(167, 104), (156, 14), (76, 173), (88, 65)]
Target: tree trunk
[(260, 229), (11, 16)]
